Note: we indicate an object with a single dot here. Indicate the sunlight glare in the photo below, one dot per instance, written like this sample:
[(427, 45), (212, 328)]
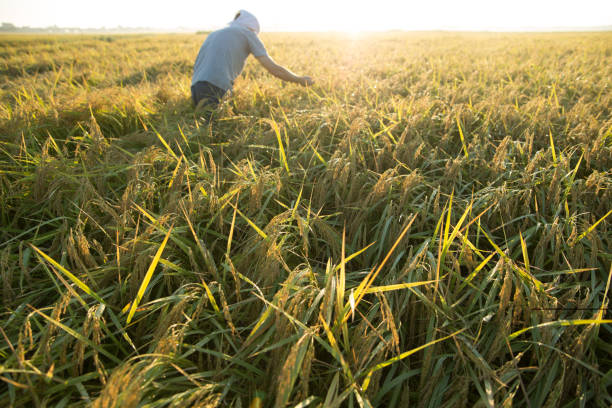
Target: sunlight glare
[(319, 15)]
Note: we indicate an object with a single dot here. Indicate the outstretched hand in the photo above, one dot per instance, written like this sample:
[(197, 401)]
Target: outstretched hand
[(306, 81)]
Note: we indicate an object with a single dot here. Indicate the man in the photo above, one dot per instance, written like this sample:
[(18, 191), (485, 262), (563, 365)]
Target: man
[(222, 57)]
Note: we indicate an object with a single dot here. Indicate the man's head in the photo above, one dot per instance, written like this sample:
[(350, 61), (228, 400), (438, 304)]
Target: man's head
[(247, 20)]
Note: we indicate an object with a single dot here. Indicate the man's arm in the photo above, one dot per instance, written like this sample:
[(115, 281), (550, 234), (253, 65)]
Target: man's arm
[(283, 73)]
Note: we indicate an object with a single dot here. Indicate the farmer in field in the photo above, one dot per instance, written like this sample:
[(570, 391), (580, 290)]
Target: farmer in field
[(222, 57)]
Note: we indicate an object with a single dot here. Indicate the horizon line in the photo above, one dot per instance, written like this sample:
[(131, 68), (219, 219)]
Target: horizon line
[(7, 27)]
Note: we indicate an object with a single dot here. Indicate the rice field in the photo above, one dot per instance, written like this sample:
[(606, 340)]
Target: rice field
[(428, 225)]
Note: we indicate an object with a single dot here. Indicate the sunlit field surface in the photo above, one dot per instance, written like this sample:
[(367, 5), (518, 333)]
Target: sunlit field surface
[(428, 225)]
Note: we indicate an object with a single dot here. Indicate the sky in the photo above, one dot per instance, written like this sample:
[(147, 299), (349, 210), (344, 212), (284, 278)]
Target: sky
[(312, 15)]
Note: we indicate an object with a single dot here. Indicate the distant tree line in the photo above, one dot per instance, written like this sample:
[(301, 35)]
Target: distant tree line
[(12, 28)]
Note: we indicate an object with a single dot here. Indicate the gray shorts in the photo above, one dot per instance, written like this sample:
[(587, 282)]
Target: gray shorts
[(206, 93)]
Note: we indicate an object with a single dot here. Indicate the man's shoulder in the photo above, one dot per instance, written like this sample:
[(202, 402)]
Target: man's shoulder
[(233, 31)]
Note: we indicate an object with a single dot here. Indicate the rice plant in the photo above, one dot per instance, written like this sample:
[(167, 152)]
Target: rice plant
[(428, 225)]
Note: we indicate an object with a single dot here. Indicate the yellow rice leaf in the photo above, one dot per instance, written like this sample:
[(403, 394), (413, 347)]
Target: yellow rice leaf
[(405, 354), (73, 278), (397, 286), (577, 322), (148, 275)]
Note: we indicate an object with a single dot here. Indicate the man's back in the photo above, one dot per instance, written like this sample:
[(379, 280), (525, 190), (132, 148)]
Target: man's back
[(223, 54)]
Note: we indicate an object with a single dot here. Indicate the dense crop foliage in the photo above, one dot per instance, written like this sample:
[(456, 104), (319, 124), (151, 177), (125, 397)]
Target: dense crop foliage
[(429, 224)]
